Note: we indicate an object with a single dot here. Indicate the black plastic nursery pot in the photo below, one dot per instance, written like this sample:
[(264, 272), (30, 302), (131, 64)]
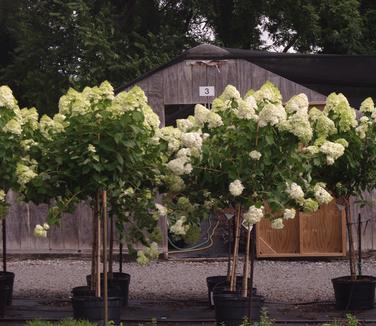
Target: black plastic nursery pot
[(231, 308), (8, 289), (119, 280), (219, 283), (3, 294), (356, 294), (91, 308)]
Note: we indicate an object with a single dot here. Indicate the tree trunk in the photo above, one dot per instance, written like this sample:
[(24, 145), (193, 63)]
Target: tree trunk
[(94, 248), (98, 249), (4, 245), (111, 253), (349, 224), (236, 249), (105, 245), (246, 264), (230, 232)]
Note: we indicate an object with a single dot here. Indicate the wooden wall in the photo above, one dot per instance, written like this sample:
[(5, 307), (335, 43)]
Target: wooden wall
[(179, 83), (308, 235)]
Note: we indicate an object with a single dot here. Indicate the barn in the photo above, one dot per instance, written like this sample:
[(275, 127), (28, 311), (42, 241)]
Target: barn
[(199, 75)]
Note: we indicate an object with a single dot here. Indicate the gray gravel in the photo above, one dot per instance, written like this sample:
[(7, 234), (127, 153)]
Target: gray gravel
[(281, 281)]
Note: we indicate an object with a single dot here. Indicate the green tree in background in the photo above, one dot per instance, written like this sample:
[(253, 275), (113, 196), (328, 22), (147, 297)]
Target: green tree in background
[(48, 46)]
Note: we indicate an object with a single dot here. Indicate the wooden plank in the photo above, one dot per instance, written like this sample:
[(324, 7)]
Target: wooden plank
[(38, 215), (199, 78), (70, 226), (244, 76), (278, 242), (322, 231), (170, 85), (184, 86), (85, 231), (14, 236)]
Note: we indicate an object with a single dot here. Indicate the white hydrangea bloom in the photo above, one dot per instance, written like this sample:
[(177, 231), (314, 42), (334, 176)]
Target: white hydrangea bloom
[(341, 111), (272, 114), (2, 195), (24, 174), (7, 99), (214, 120), (277, 224), (151, 119), (172, 136), (162, 210), (297, 104), (362, 128), (13, 127), (40, 232), (201, 114), (312, 150), (184, 124), (253, 215), (367, 105), (268, 92), (255, 155), (236, 188), (179, 228), (246, 109), (192, 140), (295, 192), (184, 152), (180, 166), (289, 213), (321, 195), (30, 116), (230, 93), (91, 148), (46, 226), (332, 151), (298, 124)]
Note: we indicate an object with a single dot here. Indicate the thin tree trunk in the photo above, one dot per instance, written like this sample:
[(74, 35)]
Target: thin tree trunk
[(4, 245), (105, 245), (230, 231), (98, 252), (253, 255), (236, 249), (120, 256), (111, 253), (351, 241), (94, 248), (246, 265)]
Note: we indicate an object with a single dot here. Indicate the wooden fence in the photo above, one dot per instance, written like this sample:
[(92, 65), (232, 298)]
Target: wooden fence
[(75, 231)]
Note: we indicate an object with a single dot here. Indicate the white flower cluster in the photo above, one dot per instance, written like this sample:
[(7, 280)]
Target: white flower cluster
[(180, 165), (255, 155), (230, 92), (144, 256), (204, 115), (268, 92), (2, 195), (332, 151), (192, 140), (7, 99), (298, 103), (40, 231), (295, 192), (246, 109), (277, 224), (339, 108), (179, 228), (253, 215), (289, 213), (185, 125), (272, 114), (162, 210), (321, 195), (172, 136), (13, 127), (362, 128), (25, 173), (236, 188), (367, 106)]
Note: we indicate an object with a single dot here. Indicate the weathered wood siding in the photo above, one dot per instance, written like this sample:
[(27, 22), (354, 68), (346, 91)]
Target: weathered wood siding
[(179, 83)]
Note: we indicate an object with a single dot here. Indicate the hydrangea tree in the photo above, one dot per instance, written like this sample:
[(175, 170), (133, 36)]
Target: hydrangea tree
[(251, 154), (354, 171), (17, 130), (102, 142)]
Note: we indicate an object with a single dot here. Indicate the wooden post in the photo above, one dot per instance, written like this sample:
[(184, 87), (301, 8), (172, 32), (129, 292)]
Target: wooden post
[(4, 245), (236, 249), (230, 229), (105, 279), (120, 256), (351, 241)]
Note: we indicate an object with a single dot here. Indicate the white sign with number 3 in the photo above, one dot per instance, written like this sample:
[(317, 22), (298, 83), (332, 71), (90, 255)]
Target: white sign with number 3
[(206, 91)]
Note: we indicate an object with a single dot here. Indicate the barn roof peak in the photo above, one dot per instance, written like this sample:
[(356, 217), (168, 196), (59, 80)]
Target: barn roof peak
[(207, 50)]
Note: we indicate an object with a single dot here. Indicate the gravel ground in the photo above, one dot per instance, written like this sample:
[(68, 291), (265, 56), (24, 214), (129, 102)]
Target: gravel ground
[(281, 281)]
